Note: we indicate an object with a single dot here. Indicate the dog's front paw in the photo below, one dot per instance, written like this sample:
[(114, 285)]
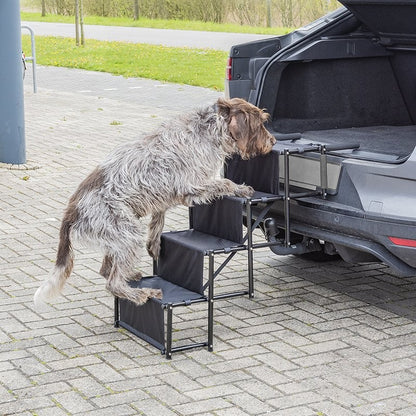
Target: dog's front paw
[(141, 296), (136, 277), (153, 248), (244, 191), (155, 293)]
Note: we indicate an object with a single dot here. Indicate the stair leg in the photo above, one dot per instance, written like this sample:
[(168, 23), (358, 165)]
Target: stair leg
[(250, 250), (116, 312), (287, 198), (211, 302), (169, 332)]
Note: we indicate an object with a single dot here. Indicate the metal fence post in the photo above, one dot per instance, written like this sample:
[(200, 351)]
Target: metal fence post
[(12, 124), (33, 57)]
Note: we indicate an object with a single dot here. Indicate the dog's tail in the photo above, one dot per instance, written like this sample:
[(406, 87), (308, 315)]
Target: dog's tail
[(52, 287)]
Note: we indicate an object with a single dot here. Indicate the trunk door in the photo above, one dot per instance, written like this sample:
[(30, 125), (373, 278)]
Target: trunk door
[(389, 19)]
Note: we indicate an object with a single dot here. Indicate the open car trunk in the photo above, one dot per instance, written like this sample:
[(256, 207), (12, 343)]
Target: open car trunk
[(341, 93), (354, 87)]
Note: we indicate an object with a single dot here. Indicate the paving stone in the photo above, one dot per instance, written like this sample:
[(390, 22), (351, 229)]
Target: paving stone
[(221, 390), (153, 407), (294, 411), (14, 379), (295, 400), (120, 410), (52, 411), (168, 394), (322, 347), (72, 402), (383, 407), (104, 373), (23, 405), (328, 409), (88, 387), (113, 399), (225, 378), (200, 406), (36, 390), (6, 395), (385, 393), (408, 411), (235, 411), (341, 396), (58, 375), (74, 362), (180, 381), (258, 388), (250, 404)]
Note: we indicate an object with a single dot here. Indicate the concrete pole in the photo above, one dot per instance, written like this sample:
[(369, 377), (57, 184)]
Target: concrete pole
[(12, 122)]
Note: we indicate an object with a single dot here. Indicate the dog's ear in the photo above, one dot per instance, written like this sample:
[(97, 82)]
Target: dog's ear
[(239, 128), (234, 115), (224, 108)]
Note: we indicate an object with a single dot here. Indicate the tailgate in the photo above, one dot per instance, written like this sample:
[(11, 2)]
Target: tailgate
[(390, 19)]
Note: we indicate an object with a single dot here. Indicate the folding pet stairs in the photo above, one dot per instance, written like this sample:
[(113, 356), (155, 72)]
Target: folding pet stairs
[(215, 230)]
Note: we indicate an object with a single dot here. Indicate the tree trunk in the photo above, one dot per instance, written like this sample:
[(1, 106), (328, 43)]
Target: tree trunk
[(268, 13), (77, 22), (43, 8), (136, 10), (81, 23)]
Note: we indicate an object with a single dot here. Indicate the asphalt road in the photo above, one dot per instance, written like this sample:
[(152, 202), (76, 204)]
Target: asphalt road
[(130, 91), (165, 37)]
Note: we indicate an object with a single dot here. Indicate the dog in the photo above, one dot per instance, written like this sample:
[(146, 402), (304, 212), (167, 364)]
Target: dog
[(176, 165)]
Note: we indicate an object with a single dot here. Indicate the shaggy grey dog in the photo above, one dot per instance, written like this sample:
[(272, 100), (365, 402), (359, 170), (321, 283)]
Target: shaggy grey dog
[(177, 164)]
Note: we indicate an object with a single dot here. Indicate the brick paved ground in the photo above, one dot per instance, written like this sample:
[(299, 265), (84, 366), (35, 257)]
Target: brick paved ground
[(318, 339)]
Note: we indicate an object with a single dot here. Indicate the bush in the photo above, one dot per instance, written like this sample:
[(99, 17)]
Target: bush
[(286, 13)]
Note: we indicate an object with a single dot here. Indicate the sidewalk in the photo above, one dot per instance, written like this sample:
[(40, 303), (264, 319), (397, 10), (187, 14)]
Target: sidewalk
[(165, 37), (318, 338)]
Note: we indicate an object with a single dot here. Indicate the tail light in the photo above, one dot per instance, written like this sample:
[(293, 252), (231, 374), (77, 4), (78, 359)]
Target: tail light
[(228, 70), (403, 242)]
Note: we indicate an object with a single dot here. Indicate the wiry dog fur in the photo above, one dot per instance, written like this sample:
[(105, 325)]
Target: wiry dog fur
[(178, 164)]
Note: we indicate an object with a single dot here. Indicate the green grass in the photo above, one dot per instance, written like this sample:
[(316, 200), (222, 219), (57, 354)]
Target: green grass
[(157, 24), (199, 67)]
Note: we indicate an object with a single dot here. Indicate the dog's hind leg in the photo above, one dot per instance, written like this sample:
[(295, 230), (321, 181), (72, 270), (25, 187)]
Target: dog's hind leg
[(117, 284), (154, 231), (122, 247), (106, 266)]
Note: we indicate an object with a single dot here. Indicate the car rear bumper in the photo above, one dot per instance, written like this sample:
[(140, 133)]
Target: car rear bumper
[(353, 231)]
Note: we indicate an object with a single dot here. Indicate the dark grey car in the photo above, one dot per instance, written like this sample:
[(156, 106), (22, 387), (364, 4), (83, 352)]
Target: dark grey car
[(342, 96)]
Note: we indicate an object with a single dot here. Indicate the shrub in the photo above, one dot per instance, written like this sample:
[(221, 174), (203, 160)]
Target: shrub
[(287, 13)]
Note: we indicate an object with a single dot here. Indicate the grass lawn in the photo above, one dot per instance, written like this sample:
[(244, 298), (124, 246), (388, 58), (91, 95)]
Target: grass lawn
[(199, 67)]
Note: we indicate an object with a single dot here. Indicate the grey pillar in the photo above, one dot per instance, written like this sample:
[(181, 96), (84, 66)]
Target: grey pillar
[(12, 123)]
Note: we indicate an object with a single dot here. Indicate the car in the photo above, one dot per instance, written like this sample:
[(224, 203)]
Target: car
[(341, 94)]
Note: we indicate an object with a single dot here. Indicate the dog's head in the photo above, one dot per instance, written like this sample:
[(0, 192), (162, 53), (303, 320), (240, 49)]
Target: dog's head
[(246, 127)]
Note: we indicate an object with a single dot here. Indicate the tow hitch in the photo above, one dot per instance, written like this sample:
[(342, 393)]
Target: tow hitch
[(282, 246)]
